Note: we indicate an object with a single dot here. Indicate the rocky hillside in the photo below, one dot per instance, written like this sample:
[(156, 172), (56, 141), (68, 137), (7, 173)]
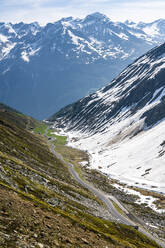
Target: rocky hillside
[(122, 124), (41, 205), (44, 68)]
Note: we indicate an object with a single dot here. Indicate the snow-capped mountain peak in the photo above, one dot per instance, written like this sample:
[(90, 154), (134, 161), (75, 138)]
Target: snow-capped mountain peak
[(95, 47), (129, 22), (96, 16)]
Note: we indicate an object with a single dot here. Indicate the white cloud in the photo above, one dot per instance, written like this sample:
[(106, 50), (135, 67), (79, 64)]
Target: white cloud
[(50, 10)]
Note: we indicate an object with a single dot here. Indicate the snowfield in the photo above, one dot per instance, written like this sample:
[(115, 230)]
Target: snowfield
[(122, 125), (137, 161)]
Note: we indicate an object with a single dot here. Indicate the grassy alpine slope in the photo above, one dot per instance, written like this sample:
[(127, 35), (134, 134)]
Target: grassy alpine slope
[(41, 205)]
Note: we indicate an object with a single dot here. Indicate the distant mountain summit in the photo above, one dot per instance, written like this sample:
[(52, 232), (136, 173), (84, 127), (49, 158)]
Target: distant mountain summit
[(122, 125), (44, 68)]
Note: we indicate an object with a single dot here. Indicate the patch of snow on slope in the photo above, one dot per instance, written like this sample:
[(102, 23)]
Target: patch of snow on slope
[(34, 51), (151, 30), (84, 163), (143, 36), (157, 70), (10, 29), (6, 50), (96, 42), (82, 44), (122, 36), (5, 71), (157, 95), (141, 199), (75, 39), (97, 47), (135, 161), (3, 38), (67, 24), (24, 56), (154, 67), (138, 35)]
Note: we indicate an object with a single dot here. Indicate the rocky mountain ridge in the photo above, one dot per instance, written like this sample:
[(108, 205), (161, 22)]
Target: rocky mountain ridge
[(54, 65), (122, 124)]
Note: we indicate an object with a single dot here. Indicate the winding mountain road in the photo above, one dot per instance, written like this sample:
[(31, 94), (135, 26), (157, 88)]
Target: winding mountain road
[(107, 200)]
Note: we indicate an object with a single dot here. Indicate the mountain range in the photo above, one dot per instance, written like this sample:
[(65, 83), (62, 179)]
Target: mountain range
[(43, 68), (53, 192), (122, 124)]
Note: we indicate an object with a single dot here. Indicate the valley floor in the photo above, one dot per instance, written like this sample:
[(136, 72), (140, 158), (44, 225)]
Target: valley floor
[(146, 205), (136, 161), (42, 205)]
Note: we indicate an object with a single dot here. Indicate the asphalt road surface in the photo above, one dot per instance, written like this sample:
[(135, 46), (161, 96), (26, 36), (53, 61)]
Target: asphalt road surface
[(107, 200)]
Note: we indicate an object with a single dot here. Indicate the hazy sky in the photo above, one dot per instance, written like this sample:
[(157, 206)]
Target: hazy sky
[(45, 11)]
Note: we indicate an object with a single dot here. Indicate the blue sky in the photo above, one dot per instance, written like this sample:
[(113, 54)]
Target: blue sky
[(45, 11)]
